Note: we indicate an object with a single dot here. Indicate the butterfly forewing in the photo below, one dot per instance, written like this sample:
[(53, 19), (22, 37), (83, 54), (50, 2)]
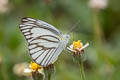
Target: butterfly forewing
[(43, 40)]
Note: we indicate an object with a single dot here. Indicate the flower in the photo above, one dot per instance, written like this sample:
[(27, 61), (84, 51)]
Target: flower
[(34, 68), (77, 47), (78, 54), (98, 4)]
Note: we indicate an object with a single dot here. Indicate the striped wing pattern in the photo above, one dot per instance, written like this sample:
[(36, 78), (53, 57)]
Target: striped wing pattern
[(43, 40)]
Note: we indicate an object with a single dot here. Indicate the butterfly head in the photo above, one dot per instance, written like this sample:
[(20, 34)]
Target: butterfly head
[(66, 37)]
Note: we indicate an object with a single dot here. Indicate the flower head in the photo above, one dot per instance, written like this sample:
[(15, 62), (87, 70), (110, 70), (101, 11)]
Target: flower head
[(77, 46), (34, 66), (78, 50), (34, 69)]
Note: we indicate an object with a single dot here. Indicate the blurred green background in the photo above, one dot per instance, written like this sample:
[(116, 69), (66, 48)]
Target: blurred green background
[(99, 27)]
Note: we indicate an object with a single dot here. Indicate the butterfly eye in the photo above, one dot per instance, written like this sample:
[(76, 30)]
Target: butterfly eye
[(67, 36)]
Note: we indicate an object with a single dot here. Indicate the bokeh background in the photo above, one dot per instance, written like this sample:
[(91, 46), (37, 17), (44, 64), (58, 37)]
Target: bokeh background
[(99, 25)]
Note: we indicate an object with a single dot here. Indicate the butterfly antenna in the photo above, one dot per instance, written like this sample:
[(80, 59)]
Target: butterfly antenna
[(74, 26)]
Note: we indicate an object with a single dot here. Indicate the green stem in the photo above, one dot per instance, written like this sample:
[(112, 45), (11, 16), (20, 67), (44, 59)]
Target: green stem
[(82, 71), (49, 76), (97, 27)]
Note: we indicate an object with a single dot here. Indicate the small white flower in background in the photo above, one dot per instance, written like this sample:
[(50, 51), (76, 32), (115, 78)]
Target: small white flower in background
[(18, 69), (98, 4), (3, 6), (77, 46)]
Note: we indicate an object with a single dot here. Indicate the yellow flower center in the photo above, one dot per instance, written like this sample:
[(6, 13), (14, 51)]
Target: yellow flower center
[(34, 66), (77, 44)]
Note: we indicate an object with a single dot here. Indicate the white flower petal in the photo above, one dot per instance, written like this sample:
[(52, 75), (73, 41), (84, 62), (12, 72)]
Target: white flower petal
[(71, 49), (71, 46), (86, 45), (27, 70)]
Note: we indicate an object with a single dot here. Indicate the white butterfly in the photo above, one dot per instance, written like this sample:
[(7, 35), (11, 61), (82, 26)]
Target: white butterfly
[(44, 40)]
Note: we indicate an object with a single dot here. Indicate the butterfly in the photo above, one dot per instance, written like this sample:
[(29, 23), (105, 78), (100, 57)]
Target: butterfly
[(45, 42)]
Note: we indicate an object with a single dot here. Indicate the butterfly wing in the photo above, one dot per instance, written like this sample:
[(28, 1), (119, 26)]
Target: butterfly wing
[(43, 39)]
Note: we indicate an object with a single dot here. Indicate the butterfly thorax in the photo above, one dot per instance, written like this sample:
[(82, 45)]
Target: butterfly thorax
[(65, 39)]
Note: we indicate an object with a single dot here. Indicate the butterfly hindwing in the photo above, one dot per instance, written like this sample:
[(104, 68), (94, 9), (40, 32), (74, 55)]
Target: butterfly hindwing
[(43, 40)]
